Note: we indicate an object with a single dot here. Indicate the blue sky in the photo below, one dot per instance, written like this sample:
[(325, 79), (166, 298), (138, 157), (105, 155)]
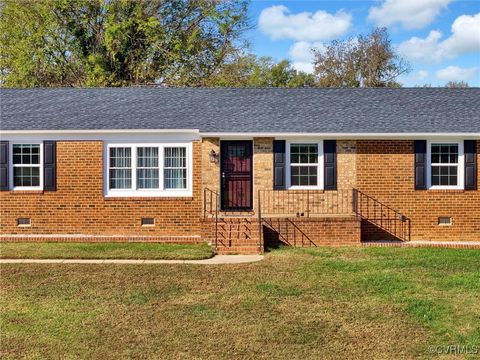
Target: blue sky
[(440, 38)]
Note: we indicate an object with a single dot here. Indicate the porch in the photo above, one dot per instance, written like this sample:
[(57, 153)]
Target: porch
[(300, 218)]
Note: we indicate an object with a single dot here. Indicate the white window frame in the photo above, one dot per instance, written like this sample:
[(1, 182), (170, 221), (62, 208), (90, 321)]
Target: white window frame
[(12, 166), (320, 165), (460, 166), (160, 192)]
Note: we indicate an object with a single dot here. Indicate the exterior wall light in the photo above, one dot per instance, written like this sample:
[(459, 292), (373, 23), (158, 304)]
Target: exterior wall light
[(213, 156)]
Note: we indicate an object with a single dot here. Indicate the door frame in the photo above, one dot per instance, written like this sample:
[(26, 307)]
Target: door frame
[(222, 208)]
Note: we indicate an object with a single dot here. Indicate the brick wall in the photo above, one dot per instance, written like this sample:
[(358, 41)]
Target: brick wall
[(210, 171), (308, 232), (346, 164), (385, 171), (382, 169), (79, 207)]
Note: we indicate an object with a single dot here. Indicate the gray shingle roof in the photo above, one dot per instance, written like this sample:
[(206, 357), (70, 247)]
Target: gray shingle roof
[(253, 110)]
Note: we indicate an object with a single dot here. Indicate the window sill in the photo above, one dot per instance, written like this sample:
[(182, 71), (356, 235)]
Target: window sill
[(448, 191), (26, 191), (305, 188), (115, 197)]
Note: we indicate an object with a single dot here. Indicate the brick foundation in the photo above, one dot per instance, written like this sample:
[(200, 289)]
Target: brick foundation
[(102, 239), (307, 232)]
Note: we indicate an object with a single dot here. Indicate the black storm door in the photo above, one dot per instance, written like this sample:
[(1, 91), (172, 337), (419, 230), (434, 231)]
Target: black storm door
[(236, 170)]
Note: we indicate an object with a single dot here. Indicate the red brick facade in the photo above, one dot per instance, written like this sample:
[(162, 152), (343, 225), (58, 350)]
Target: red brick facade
[(78, 206), (384, 170), (79, 209)]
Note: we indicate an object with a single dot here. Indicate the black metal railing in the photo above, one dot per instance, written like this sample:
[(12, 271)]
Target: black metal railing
[(211, 209), (381, 215), (288, 232), (305, 203), (210, 203)]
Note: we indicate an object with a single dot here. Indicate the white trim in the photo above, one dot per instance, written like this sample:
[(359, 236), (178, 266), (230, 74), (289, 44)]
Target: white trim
[(138, 137), (101, 131), (11, 167), (460, 166), (196, 134), (320, 167), (341, 136), (160, 192)]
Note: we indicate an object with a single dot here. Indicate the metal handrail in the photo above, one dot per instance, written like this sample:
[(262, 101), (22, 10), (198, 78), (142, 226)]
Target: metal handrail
[(210, 208), (305, 203), (382, 215)]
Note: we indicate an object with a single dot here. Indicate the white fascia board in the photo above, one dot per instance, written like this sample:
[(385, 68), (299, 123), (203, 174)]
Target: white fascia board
[(196, 134), (346, 135), (102, 131), (168, 135)]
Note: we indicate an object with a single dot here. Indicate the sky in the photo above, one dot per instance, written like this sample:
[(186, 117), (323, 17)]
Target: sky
[(440, 38)]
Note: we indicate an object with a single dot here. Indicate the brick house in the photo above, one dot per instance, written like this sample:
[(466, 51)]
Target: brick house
[(240, 168)]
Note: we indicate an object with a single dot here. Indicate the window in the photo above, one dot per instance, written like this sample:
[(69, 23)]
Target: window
[(446, 165), (175, 168), (27, 168), (120, 168), (306, 168), (149, 170)]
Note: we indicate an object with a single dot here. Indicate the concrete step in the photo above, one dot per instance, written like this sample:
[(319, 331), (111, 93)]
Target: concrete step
[(239, 250)]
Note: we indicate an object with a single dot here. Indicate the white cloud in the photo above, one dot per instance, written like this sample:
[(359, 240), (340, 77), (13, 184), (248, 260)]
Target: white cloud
[(421, 74), (426, 50), (412, 14), (465, 35), (279, 23), (455, 73), (303, 66), (465, 39), (302, 55)]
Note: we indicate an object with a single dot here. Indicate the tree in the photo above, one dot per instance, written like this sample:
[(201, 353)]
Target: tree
[(457, 84), (364, 61), (247, 70), (116, 42)]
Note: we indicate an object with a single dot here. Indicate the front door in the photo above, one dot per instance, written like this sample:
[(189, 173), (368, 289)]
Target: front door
[(236, 168)]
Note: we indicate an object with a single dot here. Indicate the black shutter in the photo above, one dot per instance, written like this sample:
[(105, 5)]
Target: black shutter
[(279, 164), (49, 168), (470, 149), (3, 165), (330, 164), (420, 164)]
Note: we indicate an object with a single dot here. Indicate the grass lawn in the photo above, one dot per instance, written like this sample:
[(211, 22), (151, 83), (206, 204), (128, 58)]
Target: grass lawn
[(104, 251), (323, 303)]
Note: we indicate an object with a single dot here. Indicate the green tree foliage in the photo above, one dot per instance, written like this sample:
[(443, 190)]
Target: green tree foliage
[(251, 71), (363, 61), (116, 42)]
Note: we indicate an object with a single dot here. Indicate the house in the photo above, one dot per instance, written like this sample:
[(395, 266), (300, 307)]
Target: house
[(240, 168)]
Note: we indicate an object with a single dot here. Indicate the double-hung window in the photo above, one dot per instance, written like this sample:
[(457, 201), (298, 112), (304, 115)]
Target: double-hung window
[(149, 169), (445, 165), (306, 165), (27, 166), (120, 169), (175, 168)]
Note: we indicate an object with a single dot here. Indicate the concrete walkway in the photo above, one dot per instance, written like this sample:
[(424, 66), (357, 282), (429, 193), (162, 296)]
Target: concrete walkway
[(216, 260)]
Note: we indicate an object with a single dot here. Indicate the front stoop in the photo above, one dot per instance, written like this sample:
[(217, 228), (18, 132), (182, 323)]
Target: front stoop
[(234, 235)]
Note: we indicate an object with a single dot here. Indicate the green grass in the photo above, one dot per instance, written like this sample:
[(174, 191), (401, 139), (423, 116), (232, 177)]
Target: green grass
[(104, 251), (324, 303)]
